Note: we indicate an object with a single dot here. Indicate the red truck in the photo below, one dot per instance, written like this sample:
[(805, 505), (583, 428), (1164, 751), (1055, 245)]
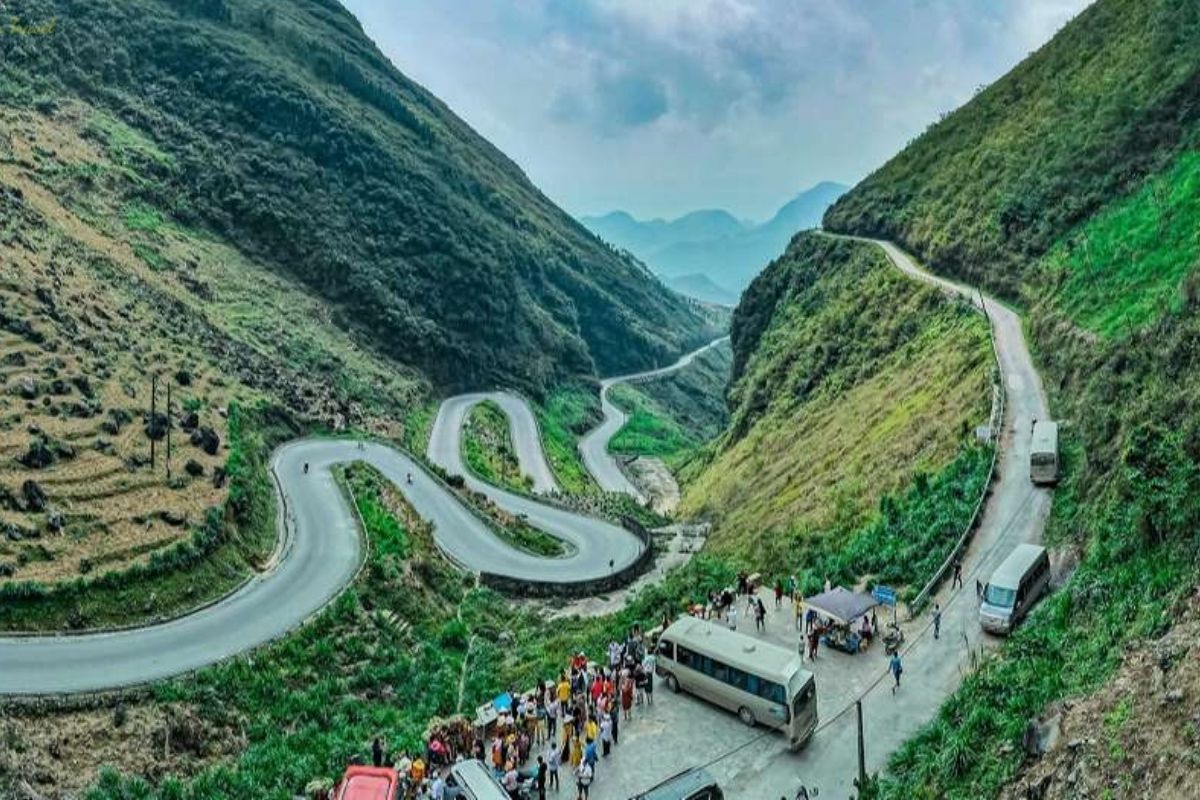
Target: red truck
[(368, 783)]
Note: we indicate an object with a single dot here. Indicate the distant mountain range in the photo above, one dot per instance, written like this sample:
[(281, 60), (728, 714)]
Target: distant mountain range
[(711, 254)]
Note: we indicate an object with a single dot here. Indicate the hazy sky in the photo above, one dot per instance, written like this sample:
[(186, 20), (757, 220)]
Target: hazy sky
[(661, 107)]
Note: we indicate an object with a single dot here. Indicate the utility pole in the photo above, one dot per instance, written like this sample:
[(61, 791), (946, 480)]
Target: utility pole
[(153, 416), (862, 757), (168, 430)]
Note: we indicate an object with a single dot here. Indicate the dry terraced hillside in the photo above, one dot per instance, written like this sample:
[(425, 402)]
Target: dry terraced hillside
[(98, 292)]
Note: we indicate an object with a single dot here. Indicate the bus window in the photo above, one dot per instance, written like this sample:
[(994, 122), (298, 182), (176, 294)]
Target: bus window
[(688, 659), (666, 649), (720, 672), (739, 679)]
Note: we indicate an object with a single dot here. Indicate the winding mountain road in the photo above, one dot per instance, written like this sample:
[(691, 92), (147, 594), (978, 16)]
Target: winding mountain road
[(594, 446), (321, 550), (751, 764)]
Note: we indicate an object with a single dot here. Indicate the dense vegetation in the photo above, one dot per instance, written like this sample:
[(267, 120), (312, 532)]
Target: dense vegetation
[(672, 416), (848, 380), (281, 128), (1066, 185), (566, 415), (488, 449)]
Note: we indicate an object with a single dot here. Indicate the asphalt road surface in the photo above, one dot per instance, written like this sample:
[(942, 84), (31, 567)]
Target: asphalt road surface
[(594, 446), (445, 441)]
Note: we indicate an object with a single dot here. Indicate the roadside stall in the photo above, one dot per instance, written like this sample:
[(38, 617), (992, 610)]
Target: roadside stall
[(842, 617)]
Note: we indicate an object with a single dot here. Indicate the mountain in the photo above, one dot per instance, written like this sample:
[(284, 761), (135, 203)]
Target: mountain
[(701, 287), (848, 380), (1072, 187), (282, 129), (727, 251)]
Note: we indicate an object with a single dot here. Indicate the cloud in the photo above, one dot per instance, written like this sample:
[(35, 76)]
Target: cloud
[(662, 106)]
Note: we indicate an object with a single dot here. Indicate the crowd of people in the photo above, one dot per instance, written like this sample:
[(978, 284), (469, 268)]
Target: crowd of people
[(557, 734)]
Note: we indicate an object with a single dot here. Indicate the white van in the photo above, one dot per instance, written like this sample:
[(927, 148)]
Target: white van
[(1043, 453), (1015, 586), (475, 781)]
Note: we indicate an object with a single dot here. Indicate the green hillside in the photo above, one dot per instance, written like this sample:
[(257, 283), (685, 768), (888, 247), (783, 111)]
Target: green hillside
[(1071, 186), (282, 129), (989, 189), (849, 380)]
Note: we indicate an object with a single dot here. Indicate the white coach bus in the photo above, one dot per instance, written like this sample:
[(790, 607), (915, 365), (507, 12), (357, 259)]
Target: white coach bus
[(762, 682)]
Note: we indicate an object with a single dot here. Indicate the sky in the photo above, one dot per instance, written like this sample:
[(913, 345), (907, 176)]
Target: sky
[(660, 107)]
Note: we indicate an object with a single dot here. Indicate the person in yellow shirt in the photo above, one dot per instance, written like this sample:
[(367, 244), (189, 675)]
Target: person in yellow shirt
[(576, 752), (798, 606), (593, 730), (418, 771), (564, 690)]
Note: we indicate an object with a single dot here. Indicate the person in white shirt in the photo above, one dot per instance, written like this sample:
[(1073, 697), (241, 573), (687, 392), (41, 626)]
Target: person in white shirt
[(583, 780)]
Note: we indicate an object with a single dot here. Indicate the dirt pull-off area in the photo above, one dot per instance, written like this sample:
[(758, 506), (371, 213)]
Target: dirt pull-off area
[(1138, 736)]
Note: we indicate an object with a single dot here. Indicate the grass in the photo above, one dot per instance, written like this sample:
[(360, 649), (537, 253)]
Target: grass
[(650, 429), (487, 447), (856, 381), (141, 217), (567, 414), (1123, 267)]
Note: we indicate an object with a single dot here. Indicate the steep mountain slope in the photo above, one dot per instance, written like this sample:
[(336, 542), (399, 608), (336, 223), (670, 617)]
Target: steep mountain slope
[(281, 128), (1070, 185), (712, 243), (848, 381)]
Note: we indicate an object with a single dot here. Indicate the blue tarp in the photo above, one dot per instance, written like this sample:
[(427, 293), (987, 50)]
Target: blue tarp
[(503, 702)]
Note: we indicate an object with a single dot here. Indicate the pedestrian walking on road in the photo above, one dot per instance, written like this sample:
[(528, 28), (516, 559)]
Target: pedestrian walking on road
[(778, 593), (606, 735), (956, 583), (583, 781), (814, 641), (542, 771), (731, 616), (760, 616), (937, 621), (978, 589), (897, 669)]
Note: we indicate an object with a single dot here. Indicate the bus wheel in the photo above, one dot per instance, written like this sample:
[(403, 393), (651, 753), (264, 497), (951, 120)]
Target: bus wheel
[(747, 716), (673, 683)]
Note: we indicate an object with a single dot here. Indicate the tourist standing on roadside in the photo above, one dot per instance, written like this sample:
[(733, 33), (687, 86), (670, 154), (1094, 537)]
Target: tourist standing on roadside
[(956, 583), (897, 669), (778, 593), (731, 616), (760, 615), (553, 762)]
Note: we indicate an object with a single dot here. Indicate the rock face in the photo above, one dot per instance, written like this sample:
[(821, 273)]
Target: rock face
[(206, 439), (34, 496)]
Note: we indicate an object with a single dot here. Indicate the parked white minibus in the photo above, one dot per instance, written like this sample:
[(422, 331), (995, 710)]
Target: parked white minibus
[(1014, 587), (1043, 453), (762, 682)]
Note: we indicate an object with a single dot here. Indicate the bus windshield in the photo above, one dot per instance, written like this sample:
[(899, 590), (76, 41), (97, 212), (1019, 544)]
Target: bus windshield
[(999, 597)]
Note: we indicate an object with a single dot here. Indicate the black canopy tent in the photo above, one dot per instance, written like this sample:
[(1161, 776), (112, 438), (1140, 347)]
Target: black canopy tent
[(841, 605)]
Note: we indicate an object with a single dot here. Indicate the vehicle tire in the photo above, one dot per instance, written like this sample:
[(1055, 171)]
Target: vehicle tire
[(747, 716), (673, 684)]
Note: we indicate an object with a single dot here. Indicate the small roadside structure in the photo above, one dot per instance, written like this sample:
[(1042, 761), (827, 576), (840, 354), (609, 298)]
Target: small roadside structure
[(838, 609)]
